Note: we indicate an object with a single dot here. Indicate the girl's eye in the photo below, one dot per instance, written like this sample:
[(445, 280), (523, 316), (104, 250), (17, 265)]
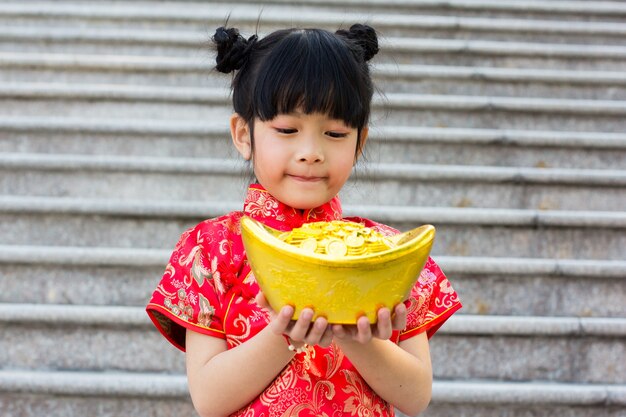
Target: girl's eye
[(337, 134), (286, 131)]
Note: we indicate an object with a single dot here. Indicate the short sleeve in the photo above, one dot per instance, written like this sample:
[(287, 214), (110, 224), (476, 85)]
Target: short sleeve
[(189, 295), (431, 302)]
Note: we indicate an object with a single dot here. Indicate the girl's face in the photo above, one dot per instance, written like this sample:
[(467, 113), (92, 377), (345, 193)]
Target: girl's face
[(303, 160)]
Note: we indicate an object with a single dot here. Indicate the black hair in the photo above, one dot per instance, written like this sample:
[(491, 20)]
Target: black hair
[(312, 70)]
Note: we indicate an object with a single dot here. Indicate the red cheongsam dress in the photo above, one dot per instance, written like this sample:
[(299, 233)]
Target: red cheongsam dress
[(208, 287)]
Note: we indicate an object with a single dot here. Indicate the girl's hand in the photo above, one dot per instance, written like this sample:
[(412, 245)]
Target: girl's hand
[(300, 331), (363, 331)]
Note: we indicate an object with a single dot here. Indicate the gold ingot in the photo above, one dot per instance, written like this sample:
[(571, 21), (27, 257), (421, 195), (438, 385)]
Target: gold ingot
[(340, 288)]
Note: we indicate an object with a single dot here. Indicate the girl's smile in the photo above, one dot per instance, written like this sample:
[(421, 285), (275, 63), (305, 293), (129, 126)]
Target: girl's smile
[(306, 178)]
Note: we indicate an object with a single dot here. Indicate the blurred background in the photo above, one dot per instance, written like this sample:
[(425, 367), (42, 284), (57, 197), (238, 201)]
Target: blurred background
[(503, 123)]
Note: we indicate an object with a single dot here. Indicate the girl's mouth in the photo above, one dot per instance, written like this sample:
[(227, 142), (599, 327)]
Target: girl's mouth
[(306, 178)]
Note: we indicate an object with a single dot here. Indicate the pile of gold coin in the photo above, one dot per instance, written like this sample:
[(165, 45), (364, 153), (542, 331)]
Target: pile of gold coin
[(337, 239)]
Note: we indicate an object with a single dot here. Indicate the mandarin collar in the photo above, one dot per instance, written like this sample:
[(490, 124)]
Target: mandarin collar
[(264, 207)]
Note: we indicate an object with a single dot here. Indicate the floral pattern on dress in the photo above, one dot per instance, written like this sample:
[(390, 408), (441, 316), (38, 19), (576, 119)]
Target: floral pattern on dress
[(362, 400), (208, 287)]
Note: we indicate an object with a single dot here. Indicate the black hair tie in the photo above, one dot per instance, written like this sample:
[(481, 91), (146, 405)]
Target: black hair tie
[(232, 49)]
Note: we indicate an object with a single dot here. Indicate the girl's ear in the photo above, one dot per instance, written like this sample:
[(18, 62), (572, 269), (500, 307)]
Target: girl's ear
[(363, 139), (240, 133)]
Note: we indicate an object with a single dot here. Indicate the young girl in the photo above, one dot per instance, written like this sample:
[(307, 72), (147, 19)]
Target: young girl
[(302, 103)]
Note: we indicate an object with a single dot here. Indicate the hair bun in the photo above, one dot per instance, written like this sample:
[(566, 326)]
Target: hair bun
[(232, 49), (365, 37)]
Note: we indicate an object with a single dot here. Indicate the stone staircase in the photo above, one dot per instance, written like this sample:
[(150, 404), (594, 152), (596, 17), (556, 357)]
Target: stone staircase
[(503, 123)]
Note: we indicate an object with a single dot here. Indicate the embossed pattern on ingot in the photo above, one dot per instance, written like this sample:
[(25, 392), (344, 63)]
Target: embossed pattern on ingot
[(337, 239)]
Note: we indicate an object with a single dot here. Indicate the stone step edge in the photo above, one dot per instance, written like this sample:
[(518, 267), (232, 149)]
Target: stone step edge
[(215, 96), (380, 171), (286, 17), (461, 324), (491, 217), (162, 64), (383, 134), (161, 385), (513, 268), (387, 44), (610, 8)]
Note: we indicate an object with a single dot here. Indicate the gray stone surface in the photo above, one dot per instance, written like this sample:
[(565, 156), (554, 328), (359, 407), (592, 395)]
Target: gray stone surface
[(521, 358), (528, 358), (475, 52), (500, 240), (409, 145), (389, 77), (415, 193), (197, 16), (82, 285), (26, 392), (420, 185), (508, 410), (555, 349), (83, 348), (82, 276), (564, 10), (92, 101), (540, 295), (25, 404)]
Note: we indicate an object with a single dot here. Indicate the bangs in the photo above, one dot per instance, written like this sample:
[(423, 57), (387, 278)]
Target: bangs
[(312, 71)]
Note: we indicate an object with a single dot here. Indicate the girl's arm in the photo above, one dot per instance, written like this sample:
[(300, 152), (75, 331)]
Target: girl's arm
[(223, 381), (400, 374)]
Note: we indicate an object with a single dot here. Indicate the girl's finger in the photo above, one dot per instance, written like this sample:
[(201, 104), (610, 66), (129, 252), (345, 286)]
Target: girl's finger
[(339, 331), (327, 337), (317, 331), (384, 326), (302, 325), (364, 330), (399, 317), (281, 321), (262, 301)]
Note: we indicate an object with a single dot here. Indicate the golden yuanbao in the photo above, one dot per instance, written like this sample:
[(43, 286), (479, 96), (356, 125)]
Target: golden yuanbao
[(374, 271)]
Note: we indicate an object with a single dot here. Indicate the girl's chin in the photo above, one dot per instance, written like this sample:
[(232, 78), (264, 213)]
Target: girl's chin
[(305, 201)]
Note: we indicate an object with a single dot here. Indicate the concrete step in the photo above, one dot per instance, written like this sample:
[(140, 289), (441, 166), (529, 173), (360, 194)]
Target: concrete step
[(97, 394), (513, 82), (461, 231), (503, 54), (198, 17), (16, 67), (533, 9), (499, 286), (563, 10), (415, 50), (564, 349), (58, 394), (167, 103), (404, 144), (503, 112), (117, 177)]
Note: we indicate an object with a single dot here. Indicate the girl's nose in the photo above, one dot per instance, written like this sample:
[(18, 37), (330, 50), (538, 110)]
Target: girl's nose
[(310, 152)]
